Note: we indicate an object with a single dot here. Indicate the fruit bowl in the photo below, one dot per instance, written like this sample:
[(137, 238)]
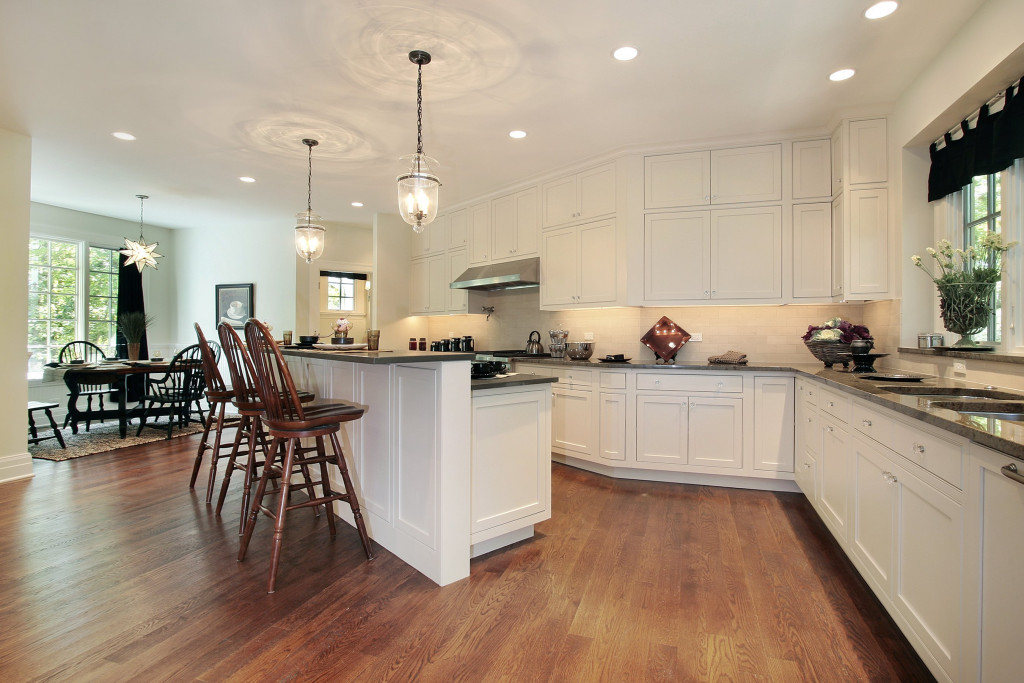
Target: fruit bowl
[(579, 350)]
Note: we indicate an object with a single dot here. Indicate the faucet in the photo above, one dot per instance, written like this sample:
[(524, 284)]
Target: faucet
[(488, 310)]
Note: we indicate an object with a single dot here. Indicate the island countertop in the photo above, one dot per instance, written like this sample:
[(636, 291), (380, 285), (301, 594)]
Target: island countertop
[(376, 357), (513, 380)]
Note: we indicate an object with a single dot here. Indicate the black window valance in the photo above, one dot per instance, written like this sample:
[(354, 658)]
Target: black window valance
[(338, 273), (994, 143)]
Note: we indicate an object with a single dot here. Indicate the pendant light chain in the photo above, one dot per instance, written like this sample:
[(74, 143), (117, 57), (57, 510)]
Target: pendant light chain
[(419, 108), (309, 183), (142, 205)]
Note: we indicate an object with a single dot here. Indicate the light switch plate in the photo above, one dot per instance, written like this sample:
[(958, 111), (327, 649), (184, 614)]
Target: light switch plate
[(697, 336), (588, 336), (960, 368)]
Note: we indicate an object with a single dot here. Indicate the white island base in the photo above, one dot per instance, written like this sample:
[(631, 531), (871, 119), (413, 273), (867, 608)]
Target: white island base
[(442, 473)]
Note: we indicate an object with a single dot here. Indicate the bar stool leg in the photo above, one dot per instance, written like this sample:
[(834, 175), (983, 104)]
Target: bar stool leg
[(282, 511), (353, 501), (240, 433), (199, 456), (214, 456), (325, 484), (254, 513)]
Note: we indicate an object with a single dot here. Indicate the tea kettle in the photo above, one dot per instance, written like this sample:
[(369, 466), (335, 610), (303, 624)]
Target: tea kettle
[(533, 346)]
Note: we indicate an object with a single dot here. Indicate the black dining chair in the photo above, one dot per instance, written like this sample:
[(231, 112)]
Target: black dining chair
[(88, 353), (176, 392)]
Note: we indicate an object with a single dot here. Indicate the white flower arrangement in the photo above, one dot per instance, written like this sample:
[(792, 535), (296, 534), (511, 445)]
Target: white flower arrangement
[(341, 327)]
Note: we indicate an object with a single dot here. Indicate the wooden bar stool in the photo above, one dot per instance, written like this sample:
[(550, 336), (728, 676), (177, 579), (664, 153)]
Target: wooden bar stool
[(287, 421), (246, 400), (218, 395), (34, 437)]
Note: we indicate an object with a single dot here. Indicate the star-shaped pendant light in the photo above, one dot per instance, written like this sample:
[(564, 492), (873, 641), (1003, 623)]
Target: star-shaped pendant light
[(137, 251)]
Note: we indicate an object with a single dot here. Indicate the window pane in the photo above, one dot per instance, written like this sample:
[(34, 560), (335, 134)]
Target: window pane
[(39, 279), (38, 305), (64, 254), (99, 310), (62, 332), (333, 287), (64, 280), (979, 198), (99, 284), (38, 332), (99, 259), (38, 251)]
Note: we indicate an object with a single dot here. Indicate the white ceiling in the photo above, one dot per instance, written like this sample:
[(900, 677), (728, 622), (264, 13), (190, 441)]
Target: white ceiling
[(219, 89)]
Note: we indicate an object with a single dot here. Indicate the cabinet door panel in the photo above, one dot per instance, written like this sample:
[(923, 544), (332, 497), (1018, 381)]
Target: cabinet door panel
[(503, 228), (805, 475), (715, 432), (559, 201), (746, 253), (677, 256), (559, 268), (458, 299), (419, 287), (597, 267), (837, 161), (677, 180), (834, 479), (458, 229), (612, 412), (869, 242), (812, 169), (479, 233), (597, 192), (661, 429), (746, 174), (812, 250), (838, 247), (527, 223), (872, 538), (773, 424), (868, 153), (437, 284), (571, 420)]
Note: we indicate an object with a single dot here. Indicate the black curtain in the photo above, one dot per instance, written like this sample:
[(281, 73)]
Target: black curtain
[(994, 143), (129, 300)]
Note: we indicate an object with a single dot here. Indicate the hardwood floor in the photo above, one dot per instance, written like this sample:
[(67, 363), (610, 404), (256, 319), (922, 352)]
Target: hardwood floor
[(113, 570)]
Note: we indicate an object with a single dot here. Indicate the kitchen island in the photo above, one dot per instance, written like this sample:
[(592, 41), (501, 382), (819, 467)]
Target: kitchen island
[(445, 467)]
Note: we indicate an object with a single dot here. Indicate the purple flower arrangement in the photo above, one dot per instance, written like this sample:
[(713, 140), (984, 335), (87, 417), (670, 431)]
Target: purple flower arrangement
[(836, 330)]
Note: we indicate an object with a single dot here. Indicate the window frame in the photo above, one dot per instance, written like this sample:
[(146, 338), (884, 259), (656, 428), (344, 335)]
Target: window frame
[(990, 220)]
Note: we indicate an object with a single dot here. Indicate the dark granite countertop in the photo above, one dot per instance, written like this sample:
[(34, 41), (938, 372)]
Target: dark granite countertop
[(377, 357), (1005, 436), (516, 380)]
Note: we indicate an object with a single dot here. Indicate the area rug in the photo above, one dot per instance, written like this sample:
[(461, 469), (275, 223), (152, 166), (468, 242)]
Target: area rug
[(100, 439)]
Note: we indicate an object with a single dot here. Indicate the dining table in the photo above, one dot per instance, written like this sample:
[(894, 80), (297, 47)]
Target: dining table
[(116, 374)]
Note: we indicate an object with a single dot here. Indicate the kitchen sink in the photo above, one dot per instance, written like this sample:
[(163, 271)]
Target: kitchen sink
[(1001, 410), (954, 393)]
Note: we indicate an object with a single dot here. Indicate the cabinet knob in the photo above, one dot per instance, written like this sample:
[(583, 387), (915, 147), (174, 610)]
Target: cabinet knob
[(657, 381), (720, 386), (830, 404), (810, 420), (919, 448), (829, 429), (707, 197), (714, 196), (866, 423), (807, 465), (707, 293)]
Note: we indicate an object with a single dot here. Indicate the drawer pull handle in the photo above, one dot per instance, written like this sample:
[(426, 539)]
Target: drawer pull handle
[(1011, 472), (657, 381), (807, 465), (866, 423), (829, 429), (810, 419), (919, 448)]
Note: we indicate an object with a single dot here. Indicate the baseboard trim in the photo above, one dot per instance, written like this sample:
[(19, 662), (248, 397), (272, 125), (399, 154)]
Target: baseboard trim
[(15, 467)]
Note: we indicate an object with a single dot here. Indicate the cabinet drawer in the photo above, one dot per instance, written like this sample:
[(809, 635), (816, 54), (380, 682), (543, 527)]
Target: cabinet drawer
[(807, 392), (941, 456), (574, 377), (665, 381), (613, 380), (835, 404)]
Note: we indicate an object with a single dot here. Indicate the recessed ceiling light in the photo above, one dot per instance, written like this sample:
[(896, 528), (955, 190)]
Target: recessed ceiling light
[(881, 9), (625, 53), (517, 134), (247, 179), (357, 204), (841, 75), (123, 136)]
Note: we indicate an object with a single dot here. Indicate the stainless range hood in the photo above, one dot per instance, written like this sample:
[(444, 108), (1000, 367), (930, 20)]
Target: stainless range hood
[(498, 276)]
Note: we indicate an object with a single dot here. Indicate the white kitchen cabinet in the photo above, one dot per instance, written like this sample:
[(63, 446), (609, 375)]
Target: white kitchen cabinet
[(478, 227), (612, 425), (572, 420), (868, 242), (833, 478), (994, 552), (428, 285), (837, 161), (661, 428), (812, 250), (722, 176), (805, 475), (867, 149), (677, 180), (677, 256), (515, 226), (458, 229), (511, 463), (433, 239), (746, 174), (773, 423), (578, 265), (838, 247), (812, 169), (579, 197), (715, 432), (746, 253), (458, 299), (872, 532)]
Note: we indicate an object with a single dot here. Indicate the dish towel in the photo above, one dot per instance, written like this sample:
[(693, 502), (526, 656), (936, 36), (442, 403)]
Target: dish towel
[(729, 358)]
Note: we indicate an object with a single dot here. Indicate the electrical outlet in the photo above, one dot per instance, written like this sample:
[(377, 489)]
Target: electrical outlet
[(960, 368), (588, 336), (696, 336)]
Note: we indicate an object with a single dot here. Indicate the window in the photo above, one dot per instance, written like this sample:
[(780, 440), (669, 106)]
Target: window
[(341, 293), (72, 294), (983, 212)]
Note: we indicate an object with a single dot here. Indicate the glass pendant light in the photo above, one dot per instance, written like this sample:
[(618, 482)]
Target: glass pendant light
[(137, 251), (309, 233), (417, 189)]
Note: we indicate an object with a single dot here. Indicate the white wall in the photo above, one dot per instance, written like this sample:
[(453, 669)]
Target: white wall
[(390, 302), (15, 180), (348, 244), (263, 255), (103, 231)]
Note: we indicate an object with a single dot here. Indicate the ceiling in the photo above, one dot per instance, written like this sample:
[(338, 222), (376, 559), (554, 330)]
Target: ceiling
[(218, 90)]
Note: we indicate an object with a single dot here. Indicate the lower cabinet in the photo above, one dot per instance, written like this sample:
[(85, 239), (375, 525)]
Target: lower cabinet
[(572, 424), (833, 477), (612, 421), (661, 423), (695, 430)]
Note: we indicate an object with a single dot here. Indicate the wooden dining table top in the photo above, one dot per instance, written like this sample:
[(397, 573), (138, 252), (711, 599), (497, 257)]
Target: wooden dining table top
[(128, 367)]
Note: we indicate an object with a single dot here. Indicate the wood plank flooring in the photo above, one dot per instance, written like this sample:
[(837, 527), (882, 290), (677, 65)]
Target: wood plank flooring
[(113, 570)]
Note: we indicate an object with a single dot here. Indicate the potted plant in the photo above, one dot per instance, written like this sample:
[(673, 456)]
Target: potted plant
[(132, 326), (966, 282), (830, 342)]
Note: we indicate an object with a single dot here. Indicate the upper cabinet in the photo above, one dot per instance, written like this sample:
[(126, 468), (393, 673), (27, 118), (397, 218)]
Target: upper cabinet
[(721, 176), (869, 161), (579, 197), (515, 226), (578, 266), (458, 229), (433, 239), (478, 227), (812, 169)]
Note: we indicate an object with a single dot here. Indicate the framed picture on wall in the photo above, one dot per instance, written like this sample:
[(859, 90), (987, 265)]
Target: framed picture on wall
[(234, 304)]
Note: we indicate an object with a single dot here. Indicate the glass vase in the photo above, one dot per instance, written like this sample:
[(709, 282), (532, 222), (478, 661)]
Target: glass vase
[(966, 309)]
